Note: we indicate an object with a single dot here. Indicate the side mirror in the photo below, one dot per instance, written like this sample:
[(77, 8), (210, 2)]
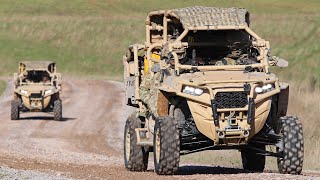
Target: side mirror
[(277, 61)]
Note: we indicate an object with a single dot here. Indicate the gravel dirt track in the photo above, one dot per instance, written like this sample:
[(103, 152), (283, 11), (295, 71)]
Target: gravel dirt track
[(88, 143)]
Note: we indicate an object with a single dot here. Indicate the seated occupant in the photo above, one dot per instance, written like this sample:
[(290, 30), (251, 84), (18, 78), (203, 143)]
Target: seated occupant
[(45, 79)]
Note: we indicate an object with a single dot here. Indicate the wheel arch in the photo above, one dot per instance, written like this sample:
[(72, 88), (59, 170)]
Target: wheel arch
[(279, 105), (283, 100), (163, 103)]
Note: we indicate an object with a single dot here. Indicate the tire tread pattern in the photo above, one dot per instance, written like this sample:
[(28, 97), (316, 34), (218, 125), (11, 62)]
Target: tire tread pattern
[(169, 146), (293, 142), (57, 110), (138, 160), (15, 113)]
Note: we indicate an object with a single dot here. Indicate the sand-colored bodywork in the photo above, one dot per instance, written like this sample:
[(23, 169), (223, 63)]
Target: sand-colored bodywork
[(208, 50), (37, 83), (202, 82)]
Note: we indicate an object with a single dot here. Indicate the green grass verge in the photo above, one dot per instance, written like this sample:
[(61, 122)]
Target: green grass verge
[(88, 38)]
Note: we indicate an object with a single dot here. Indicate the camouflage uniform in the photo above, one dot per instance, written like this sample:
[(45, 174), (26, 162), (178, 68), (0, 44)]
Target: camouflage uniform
[(225, 61), (148, 91), (231, 58)]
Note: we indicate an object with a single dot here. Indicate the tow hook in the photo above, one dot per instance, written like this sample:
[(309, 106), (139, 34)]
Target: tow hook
[(245, 133), (221, 134)]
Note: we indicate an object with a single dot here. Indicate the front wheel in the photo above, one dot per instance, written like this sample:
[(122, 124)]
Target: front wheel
[(15, 112), (291, 145), (251, 160), (166, 145), (57, 110), (135, 157)]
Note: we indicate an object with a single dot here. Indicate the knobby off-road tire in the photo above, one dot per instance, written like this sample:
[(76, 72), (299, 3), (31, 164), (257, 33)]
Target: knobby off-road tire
[(251, 160), (135, 157), (15, 112), (57, 110), (166, 146), (292, 142)]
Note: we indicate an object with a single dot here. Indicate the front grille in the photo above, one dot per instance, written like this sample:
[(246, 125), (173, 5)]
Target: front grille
[(35, 95), (226, 100)]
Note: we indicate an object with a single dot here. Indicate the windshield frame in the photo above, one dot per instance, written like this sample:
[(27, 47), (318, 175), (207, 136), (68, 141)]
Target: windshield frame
[(257, 42)]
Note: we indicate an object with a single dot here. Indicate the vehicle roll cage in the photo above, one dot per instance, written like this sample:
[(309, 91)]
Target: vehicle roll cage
[(259, 43), (174, 46)]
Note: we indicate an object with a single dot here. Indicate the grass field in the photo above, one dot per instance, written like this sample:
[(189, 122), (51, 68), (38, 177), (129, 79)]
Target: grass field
[(88, 38)]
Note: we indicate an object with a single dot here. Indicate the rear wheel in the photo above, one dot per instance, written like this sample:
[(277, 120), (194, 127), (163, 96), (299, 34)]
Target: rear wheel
[(135, 157), (291, 145), (15, 112), (251, 160), (166, 146), (57, 110)]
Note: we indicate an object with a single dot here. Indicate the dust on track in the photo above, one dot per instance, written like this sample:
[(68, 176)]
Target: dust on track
[(88, 143)]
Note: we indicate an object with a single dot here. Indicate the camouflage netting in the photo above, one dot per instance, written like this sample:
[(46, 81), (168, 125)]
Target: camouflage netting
[(211, 16), (36, 64)]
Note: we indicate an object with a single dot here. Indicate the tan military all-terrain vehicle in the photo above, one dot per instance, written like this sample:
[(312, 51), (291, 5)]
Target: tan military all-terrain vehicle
[(37, 88), (202, 81)]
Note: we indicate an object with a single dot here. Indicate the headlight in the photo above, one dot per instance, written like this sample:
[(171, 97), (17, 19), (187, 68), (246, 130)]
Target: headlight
[(192, 91), (24, 92), (48, 92), (258, 90), (264, 88), (198, 91)]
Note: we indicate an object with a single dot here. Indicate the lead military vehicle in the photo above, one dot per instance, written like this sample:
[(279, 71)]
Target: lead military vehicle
[(202, 81), (37, 88)]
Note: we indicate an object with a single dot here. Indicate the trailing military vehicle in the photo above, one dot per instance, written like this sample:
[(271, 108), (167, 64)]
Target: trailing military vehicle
[(202, 81), (37, 88)]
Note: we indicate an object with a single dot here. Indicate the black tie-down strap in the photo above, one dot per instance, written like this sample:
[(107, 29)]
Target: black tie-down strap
[(251, 110), (214, 112)]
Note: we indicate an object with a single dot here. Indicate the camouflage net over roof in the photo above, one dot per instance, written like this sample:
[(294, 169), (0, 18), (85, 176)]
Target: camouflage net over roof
[(212, 16), (34, 65)]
